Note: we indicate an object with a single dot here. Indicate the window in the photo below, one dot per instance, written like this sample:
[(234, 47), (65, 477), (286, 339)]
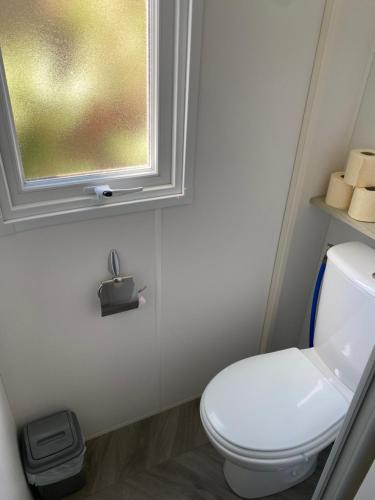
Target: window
[(96, 105)]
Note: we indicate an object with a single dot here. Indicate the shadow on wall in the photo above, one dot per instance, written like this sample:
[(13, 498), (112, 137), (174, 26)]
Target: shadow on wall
[(12, 479)]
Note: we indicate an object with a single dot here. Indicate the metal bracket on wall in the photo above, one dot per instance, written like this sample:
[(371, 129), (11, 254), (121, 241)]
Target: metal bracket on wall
[(118, 293)]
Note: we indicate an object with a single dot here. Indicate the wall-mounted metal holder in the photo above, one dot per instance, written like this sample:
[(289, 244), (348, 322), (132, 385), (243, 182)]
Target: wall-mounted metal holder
[(118, 293)]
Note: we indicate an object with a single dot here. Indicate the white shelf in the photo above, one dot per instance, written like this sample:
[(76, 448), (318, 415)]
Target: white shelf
[(367, 228)]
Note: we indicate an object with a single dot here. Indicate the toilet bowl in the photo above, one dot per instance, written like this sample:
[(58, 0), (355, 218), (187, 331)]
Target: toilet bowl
[(269, 424), (270, 415)]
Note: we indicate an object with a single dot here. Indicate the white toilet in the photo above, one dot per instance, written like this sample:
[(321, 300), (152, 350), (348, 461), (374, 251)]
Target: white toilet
[(270, 415)]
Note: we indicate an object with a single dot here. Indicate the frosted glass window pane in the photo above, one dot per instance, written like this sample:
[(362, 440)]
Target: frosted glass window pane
[(77, 72)]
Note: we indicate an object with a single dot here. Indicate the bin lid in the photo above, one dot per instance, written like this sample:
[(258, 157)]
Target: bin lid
[(51, 441)]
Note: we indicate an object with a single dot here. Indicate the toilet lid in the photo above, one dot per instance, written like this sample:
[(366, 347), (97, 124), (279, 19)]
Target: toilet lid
[(272, 402)]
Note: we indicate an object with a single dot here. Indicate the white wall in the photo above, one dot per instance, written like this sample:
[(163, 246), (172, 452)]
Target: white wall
[(207, 265), (344, 69), (364, 132), (219, 252), (363, 136), (12, 479)]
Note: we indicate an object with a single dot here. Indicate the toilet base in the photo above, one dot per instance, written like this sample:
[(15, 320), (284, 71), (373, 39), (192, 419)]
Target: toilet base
[(248, 483)]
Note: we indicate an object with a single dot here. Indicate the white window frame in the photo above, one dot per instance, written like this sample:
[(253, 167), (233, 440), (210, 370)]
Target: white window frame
[(173, 68)]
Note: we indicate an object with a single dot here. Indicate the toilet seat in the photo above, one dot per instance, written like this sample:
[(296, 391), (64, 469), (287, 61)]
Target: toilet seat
[(268, 460), (272, 409)]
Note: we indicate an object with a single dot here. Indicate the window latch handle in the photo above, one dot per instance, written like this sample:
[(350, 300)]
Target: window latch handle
[(102, 192)]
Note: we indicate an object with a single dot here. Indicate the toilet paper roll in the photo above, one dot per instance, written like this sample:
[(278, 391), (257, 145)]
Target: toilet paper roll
[(339, 193), (366, 176), (362, 206), (360, 168)]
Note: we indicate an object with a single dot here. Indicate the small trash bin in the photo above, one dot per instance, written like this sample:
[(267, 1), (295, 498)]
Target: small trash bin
[(53, 453)]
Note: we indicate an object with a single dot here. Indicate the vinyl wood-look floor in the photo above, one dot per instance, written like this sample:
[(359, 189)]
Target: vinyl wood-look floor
[(165, 457)]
